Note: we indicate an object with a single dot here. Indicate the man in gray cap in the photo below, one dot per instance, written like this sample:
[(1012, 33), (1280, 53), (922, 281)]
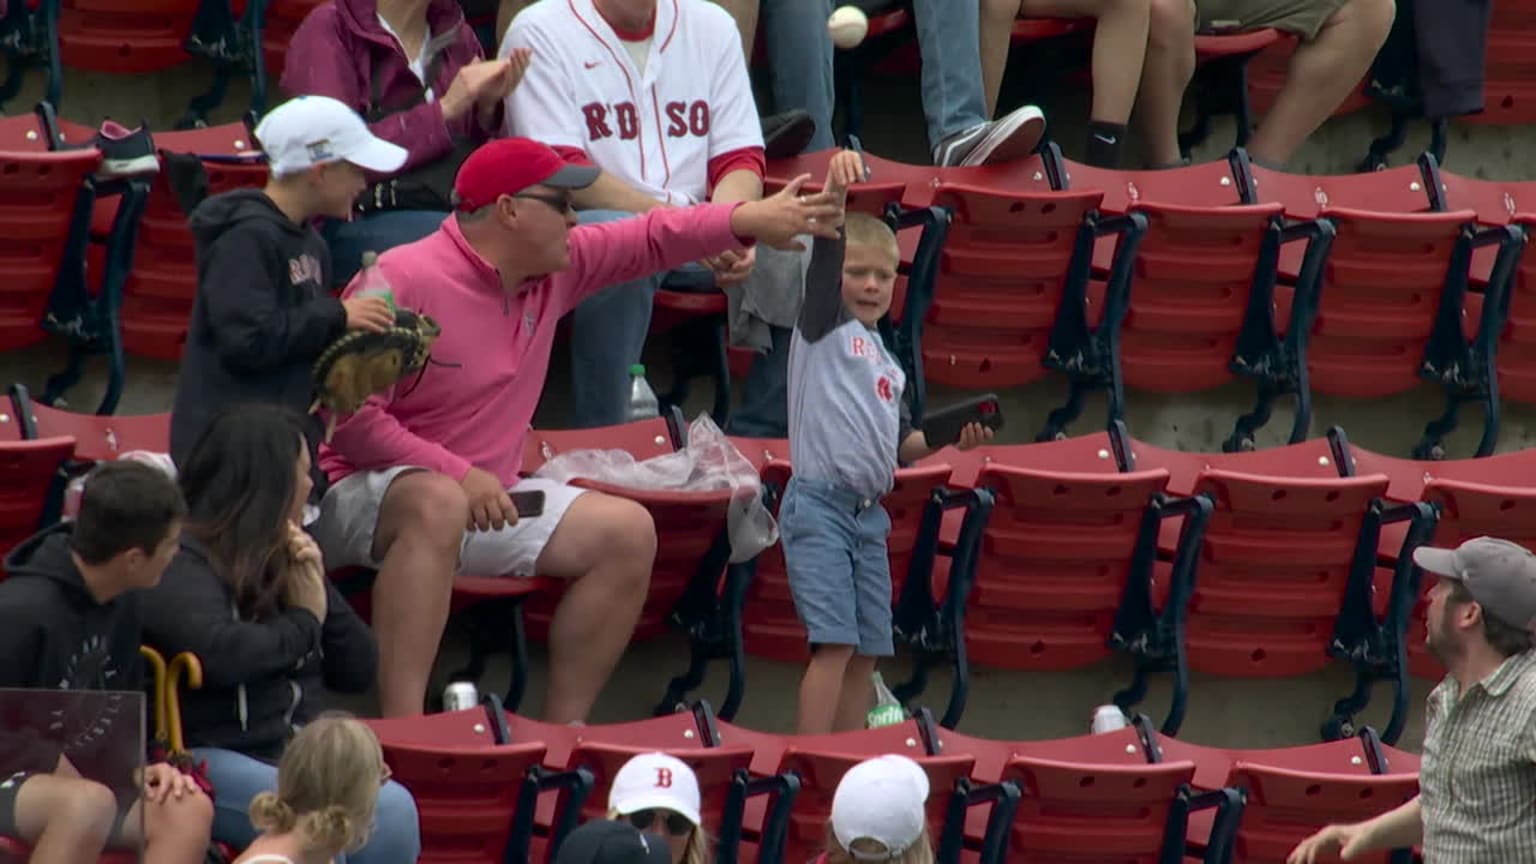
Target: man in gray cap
[(1477, 782)]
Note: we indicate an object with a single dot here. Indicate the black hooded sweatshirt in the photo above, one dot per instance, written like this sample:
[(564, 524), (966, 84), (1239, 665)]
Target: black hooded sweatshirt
[(54, 635), (261, 678), (263, 314)]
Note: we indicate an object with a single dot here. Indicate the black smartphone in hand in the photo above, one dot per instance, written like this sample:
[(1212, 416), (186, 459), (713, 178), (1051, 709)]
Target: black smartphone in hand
[(528, 504), (943, 427)]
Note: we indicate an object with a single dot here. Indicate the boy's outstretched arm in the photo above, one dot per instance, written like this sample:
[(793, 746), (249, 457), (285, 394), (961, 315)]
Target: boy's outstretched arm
[(822, 309)]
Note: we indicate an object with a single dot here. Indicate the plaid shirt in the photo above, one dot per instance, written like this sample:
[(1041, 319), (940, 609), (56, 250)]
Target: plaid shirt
[(1477, 781)]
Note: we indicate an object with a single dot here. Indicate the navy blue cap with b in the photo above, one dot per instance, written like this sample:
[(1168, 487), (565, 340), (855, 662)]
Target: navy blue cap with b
[(605, 842)]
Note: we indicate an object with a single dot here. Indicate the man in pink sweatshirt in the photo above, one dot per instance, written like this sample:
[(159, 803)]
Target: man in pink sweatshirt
[(420, 477)]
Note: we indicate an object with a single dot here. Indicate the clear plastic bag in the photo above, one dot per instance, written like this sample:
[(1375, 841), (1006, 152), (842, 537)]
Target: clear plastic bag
[(709, 462), (76, 487)]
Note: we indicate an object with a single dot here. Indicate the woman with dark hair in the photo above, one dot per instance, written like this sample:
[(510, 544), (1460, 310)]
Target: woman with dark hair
[(247, 594)]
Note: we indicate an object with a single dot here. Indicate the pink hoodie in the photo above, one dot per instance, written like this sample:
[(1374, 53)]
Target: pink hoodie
[(476, 412)]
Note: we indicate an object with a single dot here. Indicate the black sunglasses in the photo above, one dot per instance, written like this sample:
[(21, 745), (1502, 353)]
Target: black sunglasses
[(677, 824), (558, 203)]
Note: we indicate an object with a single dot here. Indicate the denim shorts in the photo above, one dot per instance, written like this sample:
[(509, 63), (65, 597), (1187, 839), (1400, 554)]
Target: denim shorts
[(839, 572)]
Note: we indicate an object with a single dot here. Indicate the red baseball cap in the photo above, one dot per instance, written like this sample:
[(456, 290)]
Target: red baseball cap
[(507, 166)]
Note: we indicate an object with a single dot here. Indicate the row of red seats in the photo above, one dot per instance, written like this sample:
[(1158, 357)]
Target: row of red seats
[(1033, 557), (1180, 281), (1129, 796)]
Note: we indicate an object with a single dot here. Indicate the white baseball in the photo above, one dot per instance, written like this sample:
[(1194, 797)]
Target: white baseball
[(847, 26)]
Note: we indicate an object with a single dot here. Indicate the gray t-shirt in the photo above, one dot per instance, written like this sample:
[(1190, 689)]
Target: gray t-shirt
[(847, 414)]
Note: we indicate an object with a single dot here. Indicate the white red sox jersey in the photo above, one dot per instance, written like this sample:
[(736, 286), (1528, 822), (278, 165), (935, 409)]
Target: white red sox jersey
[(656, 128)]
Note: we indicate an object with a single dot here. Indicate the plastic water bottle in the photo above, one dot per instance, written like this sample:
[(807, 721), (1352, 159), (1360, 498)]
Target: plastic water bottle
[(887, 710), (643, 403), (373, 283)]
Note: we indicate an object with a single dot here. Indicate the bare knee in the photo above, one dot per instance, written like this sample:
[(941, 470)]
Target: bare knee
[(426, 508), (189, 816), (1001, 10), (1171, 23), (629, 535), (87, 810), (1366, 21)]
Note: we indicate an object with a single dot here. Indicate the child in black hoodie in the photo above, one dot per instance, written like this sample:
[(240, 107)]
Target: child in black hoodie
[(69, 620), (264, 311)]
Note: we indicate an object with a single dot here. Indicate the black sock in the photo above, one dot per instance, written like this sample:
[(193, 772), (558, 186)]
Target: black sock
[(1104, 140)]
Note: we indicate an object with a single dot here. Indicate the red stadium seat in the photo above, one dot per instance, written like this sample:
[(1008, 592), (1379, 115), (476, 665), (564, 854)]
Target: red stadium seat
[(30, 469), (102, 438), (1198, 310), (124, 37), (44, 220), (1286, 805), (1509, 94), (157, 299)]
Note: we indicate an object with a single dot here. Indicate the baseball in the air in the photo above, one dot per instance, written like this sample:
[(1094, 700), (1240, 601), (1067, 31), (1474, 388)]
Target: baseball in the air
[(847, 26)]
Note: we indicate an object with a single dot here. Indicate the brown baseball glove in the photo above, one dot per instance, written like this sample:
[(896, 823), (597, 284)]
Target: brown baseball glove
[(362, 363)]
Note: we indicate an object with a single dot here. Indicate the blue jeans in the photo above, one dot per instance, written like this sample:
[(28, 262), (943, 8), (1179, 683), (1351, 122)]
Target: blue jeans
[(838, 568), (800, 61), (800, 52), (237, 778), (375, 232)]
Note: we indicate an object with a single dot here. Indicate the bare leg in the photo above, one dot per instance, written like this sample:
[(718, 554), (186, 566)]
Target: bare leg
[(821, 689), (745, 13), (997, 17), (604, 548), (176, 831), (1119, 46), (1165, 76), (504, 15), (854, 703), (1323, 72), (420, 532), (66, 819)]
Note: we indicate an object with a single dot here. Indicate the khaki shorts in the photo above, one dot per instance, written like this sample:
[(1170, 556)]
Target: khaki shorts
[(1300, 17), (349, 514)]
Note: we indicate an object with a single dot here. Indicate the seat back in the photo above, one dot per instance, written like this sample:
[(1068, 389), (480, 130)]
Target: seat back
[(1307, 196), (37, 209), (104, 437), (124, 37), (1122, 808), (1277, 556), (1056, 556), (643, 439), (466, 796), (158, 294), (821, 770), (1001, 276), (770, 626), (1312, 458), (28, 469), (1285, 806), (713, 767)]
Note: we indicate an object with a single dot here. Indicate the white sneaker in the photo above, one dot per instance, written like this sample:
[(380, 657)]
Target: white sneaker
[(1010, 137)]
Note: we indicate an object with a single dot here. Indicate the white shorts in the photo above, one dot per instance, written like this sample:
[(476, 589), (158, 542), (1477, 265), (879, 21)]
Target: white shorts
[(349, 514)]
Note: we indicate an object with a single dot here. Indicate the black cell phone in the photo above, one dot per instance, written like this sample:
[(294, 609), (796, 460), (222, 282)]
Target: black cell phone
[(943, 427), (528, 504)]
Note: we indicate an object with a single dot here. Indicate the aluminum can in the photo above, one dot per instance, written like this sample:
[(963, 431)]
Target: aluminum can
[(1108, 718), (460, 695)]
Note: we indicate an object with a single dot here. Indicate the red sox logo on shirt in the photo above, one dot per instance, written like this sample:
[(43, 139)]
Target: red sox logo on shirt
[(684, 119), (861, 347), (663, 778), (305, 268), (883, 388)]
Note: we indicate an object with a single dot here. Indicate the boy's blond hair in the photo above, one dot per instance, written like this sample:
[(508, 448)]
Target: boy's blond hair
[(327, 784), (862, 229)]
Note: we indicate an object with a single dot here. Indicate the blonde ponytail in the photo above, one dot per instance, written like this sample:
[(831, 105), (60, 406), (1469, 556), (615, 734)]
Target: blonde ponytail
[(331, 828), (271, 814)]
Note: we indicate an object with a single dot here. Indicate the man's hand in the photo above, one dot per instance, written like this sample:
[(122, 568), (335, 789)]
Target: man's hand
[(480, 83), (490, 507), (368, 313), (732, 268), (778, 220), (161, 782), (1347, 840)]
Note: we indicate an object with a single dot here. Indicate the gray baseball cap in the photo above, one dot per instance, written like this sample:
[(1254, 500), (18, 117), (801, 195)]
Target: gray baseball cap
[(1500, 576)]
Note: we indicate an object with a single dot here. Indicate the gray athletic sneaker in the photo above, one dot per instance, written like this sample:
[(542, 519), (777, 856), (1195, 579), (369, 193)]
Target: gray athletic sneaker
[(1008, 138)]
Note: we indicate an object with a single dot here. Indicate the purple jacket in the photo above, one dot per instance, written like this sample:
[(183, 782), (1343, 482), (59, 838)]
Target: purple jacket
[(335, 50)]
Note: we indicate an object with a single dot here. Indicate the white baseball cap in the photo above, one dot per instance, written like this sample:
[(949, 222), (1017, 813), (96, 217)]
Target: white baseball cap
[(307, 131), (655, 780), (881, 799)]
